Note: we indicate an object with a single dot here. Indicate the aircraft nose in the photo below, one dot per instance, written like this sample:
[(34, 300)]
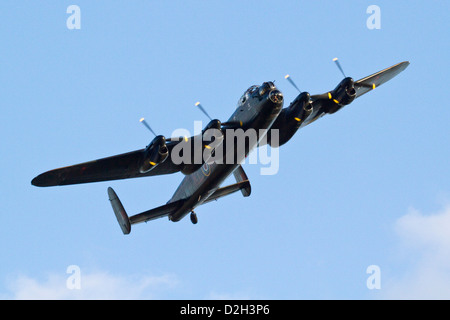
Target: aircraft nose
[(276, 96)]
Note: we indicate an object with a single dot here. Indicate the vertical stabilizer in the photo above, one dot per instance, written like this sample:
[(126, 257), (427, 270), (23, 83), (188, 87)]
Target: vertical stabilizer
[(240, 176), (119, 211)]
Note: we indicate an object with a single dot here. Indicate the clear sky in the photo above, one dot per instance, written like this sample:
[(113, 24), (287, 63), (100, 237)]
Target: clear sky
[(367, 186)]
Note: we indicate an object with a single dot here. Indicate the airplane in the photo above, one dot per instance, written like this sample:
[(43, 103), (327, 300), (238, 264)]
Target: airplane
[(259, 108)]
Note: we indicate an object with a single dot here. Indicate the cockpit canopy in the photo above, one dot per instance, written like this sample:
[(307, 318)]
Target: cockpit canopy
[(247, 94), (256, 90)]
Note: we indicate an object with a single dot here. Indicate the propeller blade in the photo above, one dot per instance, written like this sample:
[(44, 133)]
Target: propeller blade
[(203, 110), (288, 78), (147, 126), (339, 66)]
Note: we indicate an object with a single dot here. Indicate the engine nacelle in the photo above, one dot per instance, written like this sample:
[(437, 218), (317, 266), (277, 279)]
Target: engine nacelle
[(290, 118), (213, 124), (198, 144), (345, 92), (155, 153), (342, 95)]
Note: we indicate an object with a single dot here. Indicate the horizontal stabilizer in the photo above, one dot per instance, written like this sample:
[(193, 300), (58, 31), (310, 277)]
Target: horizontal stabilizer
[(156, 213), (119, 211), (222, 192)]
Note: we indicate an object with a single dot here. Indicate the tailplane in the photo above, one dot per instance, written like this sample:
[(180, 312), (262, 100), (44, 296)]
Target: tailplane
[(125, 222)]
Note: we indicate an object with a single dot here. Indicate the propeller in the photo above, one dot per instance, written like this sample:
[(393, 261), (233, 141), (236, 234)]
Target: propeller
[(147, 126), (357, 84), (288, 78), (308, 104), (339, 66), (203, 110), (142, 120), (226, 125)]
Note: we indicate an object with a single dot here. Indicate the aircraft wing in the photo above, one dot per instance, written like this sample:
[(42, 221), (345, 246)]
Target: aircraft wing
[(327, 103), (122, 166), (306, 109), (373, 81)]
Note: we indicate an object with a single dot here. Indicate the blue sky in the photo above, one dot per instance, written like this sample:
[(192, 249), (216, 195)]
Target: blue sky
[(365, 186)]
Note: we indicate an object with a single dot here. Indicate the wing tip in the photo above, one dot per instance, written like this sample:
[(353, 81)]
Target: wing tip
[(35, 182), (404, 64), (46, 179)]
